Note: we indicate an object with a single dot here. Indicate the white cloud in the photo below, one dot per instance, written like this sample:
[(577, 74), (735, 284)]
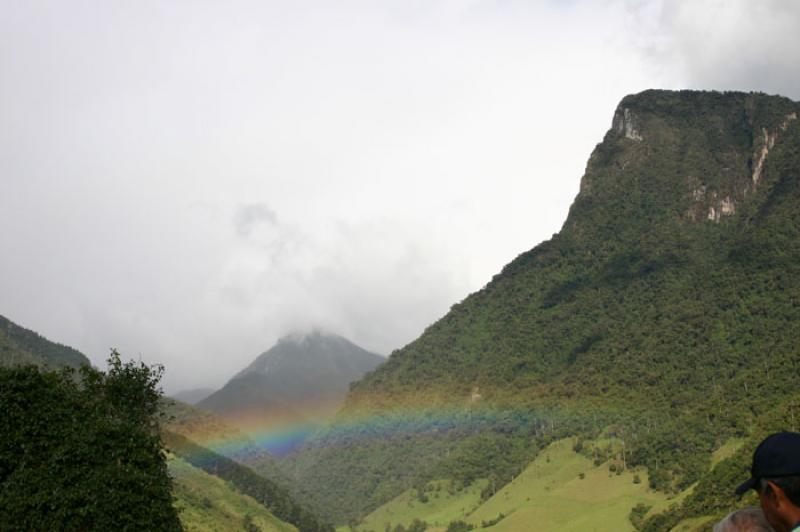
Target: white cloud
[(190, 181), (724, 45)]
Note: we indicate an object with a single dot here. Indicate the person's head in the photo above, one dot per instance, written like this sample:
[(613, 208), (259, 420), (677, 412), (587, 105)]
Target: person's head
[(750, 519), (775, 475), (780, 500)]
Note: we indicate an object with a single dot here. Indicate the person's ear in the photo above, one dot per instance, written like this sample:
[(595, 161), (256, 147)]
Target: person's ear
[(774, 492)]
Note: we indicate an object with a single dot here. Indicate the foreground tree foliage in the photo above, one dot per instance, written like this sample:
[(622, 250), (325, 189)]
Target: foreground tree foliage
[(82, 450)]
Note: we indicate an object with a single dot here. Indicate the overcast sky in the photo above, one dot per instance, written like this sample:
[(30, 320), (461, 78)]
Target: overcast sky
[(188, 181)]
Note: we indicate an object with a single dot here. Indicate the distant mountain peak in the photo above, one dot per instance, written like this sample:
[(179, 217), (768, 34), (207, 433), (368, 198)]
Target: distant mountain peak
[(305, 375)]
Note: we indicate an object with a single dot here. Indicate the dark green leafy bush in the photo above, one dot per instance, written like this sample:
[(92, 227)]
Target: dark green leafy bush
[(83, 451)]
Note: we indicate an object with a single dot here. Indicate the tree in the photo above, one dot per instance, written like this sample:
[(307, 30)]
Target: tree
[(82, 451), (459, 526)]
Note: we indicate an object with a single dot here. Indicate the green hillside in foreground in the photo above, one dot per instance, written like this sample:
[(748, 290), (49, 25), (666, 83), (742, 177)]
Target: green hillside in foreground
[(560, 490), (666, 311), (275, 498), (438, 503), (551, 494), (20, 346), (209, 430), (208, 503)]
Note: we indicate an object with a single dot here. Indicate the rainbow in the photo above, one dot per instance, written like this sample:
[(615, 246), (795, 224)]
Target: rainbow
[(280, 434)]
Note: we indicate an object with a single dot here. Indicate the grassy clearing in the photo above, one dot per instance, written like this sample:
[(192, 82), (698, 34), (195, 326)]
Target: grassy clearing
[(208, 503), (551, 495), (726, 451), (446, 502), (667, 501), (559, 491)]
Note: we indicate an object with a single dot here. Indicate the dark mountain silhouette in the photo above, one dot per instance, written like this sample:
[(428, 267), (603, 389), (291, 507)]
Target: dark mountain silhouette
[(298, 383), (192, 396)]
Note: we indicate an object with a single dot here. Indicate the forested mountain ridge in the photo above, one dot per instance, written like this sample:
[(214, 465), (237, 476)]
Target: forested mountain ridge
[(19, 346), (666, 310), (670, 163)]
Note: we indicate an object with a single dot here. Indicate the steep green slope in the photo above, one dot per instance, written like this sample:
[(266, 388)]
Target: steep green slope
[(208, 503), (713, 495), (213, 433), (666, 308), (437, 503), (563, 490), (560, 490), (19, 346), (266, 492)]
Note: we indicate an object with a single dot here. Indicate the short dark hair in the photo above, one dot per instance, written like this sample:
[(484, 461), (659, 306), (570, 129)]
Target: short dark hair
[(789, 485)]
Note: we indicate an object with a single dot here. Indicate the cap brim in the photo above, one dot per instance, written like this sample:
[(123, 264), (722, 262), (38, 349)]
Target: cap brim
[(745, 486)]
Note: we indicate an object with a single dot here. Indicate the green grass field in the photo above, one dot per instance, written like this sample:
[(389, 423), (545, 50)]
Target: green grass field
[(445, 503), (551, 495), (208, 503), (726, 451), (559, 491)]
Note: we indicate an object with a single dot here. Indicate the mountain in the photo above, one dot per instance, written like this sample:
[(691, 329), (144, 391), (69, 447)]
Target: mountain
[(288, 390), (193, 396), (661, 322), (20, 346)]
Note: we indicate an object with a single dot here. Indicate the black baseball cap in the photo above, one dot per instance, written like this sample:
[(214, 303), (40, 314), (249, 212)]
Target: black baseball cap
[(777, 456)]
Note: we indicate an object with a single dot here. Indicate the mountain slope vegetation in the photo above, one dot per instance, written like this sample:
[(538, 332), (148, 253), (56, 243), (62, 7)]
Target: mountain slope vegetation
[(666, 312), (211, 432), (560, 490), (20, 346), (206, 502), (266, 492)]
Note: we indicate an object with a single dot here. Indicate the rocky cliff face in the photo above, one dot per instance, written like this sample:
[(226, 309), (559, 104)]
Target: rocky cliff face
[(687, 156)]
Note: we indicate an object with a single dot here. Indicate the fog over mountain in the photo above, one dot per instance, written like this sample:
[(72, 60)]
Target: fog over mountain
[(190, 182)]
